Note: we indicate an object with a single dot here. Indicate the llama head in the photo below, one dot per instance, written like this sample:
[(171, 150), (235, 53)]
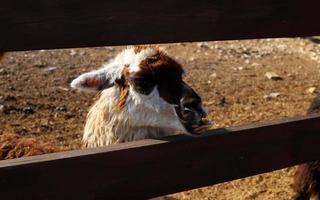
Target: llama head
[(151, 79)]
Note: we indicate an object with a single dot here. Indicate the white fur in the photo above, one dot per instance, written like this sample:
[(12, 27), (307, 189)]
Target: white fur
[(111, 70), (137, 120), (114, 68), (78, 82)]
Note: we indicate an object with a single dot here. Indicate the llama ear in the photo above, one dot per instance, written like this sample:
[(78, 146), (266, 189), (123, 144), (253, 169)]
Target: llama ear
[(92, 81)]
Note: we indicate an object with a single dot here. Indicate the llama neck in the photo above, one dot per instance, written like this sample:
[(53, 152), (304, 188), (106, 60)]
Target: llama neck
[(105, 125)]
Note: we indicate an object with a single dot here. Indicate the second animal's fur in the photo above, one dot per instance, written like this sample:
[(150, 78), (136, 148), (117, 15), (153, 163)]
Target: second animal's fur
[(307, 177), (14, 146)]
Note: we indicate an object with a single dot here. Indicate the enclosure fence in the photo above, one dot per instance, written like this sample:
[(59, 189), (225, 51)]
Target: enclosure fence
[(151, 168)]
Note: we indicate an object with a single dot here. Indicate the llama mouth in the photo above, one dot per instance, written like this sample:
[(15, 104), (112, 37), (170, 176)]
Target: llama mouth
[(193, 120), (199, 128)]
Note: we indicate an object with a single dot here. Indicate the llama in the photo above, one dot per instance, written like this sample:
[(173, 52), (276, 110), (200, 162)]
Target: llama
[(142, 95), (15, 146), (307, 177)]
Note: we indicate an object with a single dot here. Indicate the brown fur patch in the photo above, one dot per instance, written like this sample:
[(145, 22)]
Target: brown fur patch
[(166, 73), (307, 177), (15, 146), (124, 89), (160, 69), (161, 63)]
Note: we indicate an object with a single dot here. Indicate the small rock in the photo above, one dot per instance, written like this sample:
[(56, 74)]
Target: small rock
[(73, 52), (191, 59), (208, 103), (213, 75), (7, 109), (28, 110), (3, 71), (254, 64), (273, 76), (12, 88), (2, 109), (240, 68), (311, 90), (63, 88), (202, 45), (61, 108), (50, 69), (272, 95)]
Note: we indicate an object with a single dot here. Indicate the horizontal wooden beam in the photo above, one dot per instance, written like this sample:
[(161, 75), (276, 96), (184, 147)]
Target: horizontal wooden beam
[(45, 24), (150, 168)]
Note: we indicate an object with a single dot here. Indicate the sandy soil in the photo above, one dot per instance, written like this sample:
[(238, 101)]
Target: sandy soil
[(36, 101)]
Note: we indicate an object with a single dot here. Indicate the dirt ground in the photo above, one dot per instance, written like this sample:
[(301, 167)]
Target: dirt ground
[(36, 100)]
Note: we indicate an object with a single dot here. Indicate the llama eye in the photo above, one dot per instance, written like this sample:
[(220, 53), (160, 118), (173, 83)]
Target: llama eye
[(141, 81), (152, 60), (144, 85)]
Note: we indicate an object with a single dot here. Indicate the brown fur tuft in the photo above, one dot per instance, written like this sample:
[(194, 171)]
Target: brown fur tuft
[(14, 146), (124, 89)]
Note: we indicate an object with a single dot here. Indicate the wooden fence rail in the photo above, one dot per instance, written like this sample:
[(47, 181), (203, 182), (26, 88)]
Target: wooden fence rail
[(150, 168), (42, 24)]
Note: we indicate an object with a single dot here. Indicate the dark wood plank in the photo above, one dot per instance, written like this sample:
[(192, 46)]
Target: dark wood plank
[(42, 24), (150, 168)]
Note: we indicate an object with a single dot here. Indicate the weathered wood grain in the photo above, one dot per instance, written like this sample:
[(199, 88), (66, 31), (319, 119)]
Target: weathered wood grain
[(45, 24), (151, 168)]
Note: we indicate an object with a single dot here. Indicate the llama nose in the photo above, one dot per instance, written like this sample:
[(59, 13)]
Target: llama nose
[(202, 112)]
